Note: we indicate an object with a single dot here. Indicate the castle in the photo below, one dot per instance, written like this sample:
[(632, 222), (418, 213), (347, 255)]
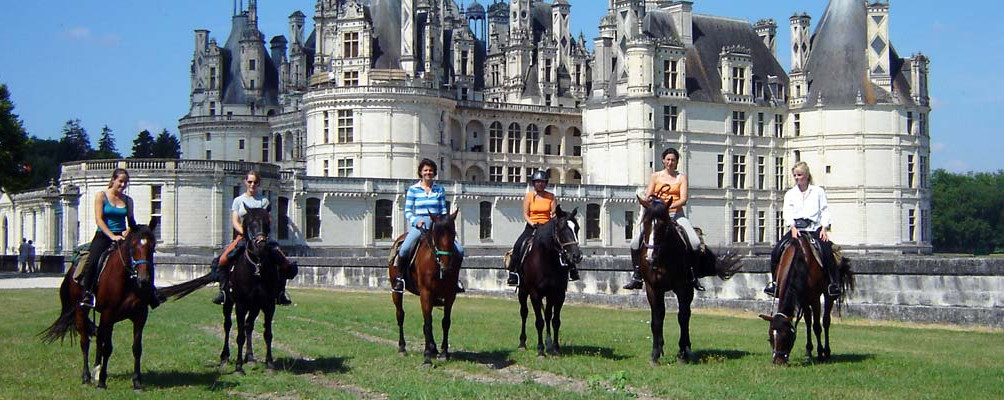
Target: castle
[(338, 119)]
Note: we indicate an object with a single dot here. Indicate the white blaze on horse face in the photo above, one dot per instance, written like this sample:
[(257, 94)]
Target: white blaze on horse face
[(142, 242), (571, 227)]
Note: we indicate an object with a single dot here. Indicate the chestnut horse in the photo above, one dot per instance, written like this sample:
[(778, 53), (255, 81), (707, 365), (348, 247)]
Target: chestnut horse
[(124, 291), (433, 277), (665, 263), (554, 247), (801, 280)]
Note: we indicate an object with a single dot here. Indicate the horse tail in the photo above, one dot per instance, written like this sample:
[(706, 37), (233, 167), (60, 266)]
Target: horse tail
[(727, 264), (186, 288), (847, 281), (61, 326)]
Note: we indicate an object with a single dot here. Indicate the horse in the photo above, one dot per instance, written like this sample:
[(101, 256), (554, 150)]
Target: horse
[(665, 264), (552, 249), (433, 277), (124, 291), (801, 280)]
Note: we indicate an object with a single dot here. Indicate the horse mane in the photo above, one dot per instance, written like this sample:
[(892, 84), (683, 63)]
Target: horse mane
[(796, 282), (546, 231), (139, 231)]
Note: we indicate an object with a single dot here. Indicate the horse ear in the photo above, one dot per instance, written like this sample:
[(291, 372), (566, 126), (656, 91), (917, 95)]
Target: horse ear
[(574, 212), (558, 210), (766, 318), (644, 202), (153, 223), (453, 215)]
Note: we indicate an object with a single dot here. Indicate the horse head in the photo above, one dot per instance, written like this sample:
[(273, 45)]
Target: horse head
[(656, 226), (566, 236), (781, 335), (441, 235), (140, 246), (256, 226)]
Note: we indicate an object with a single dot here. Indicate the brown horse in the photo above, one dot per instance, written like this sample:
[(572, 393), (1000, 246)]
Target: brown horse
[(433, 277), (555, 246), (124, 291), (665, 263), (801, 280)]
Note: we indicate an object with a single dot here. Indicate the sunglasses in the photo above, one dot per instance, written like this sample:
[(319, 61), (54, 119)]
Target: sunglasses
[(252, 182)]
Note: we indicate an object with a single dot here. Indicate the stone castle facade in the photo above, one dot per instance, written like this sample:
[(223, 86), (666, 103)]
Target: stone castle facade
[(339, 118)]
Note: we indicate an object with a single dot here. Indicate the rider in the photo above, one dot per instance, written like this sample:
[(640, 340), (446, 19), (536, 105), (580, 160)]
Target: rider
[(424, 198), (538, 207), (113, 213), (221, 264), (667, 185), (806, 210)]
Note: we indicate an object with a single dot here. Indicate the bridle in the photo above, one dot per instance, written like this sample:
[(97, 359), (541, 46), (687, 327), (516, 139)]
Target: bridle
[(437, 253), (132, 272), (563, 247)]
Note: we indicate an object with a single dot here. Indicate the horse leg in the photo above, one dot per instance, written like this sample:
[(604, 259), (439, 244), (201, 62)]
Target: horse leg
[(447, 310), (228, 308), (269, 313), (523, 312), (83, 326), (548, 315), (430, 341), (817, 328), (657, 301), (241, 337), (684, 296), (398, 299), (824, 351), (138, 323), (808, 333), (537, 305), (249, 333), (558, 300), (105, 341)]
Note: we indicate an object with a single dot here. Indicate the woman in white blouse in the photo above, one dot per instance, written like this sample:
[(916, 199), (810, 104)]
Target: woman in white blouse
[(806, 212)]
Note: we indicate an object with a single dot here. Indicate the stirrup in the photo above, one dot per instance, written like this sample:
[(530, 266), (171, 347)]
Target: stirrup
[(573, 275), (220, 298), (834, 290), (513, 279), (460, 287), (697, 285), (283, 299), (398, 285), (88, 300), (635, 284), (770, 289)]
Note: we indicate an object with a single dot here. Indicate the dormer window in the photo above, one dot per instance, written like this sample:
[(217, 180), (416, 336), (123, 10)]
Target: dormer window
[(351, 45), (670, 74), (739, 81)]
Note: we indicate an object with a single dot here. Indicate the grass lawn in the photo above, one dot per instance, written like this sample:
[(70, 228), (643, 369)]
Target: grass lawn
[(342, 344)]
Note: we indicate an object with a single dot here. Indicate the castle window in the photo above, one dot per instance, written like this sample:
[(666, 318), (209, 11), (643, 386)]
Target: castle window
[(670, 116), (514, 176), (739, 171), (209, 154), (778, 173), (739, 81), (739, 226), (313, 225), (670, 74), (383, 227), (252, 88), (798, 124), (779, 224), (721, 171), (925, 225), (283, 221), (209, 136), (761, 226), (761, 172), (326, 125), (495, 174), (155, 208), (212, 108), (547, 70), (212, 78), (351, 45), (495, 138), (532, 139), (779, 125), (264, 149), (912, 225), (578, 74), (350, 78), (739, 123), (485, 219), (514, 138), (922, 169), (324, 172), (251, 65), (909, 171), (463, 62), (547, 100), (922, 124), (759, 124), (240, 144), (345, 127), (909, 122), (592, 221), (345, 167)]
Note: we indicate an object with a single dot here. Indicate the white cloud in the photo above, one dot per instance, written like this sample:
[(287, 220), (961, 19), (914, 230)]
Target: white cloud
[(958, 166), (937, 147)]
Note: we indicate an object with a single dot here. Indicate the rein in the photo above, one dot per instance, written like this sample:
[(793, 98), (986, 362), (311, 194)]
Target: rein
[(431, 242)]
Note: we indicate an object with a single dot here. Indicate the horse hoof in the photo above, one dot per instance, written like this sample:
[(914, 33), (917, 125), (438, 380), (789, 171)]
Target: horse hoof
[(522, 346), (270, 366), (102, 385), (401, 353), (653, 363), (427, 364)]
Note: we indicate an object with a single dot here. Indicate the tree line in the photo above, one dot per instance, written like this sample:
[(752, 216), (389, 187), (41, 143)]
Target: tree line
[(967, 212), (31, 162)]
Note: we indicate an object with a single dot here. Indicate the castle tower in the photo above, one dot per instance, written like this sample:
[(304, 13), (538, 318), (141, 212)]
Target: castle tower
[(800, 40), (879, 70), (766, 29)]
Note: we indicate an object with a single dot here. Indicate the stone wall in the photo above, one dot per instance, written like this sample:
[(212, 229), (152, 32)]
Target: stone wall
[(966, 291)]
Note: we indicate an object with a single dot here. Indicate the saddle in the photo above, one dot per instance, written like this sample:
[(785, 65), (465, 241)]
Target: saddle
[(525, 247), (80, 256), (409, 283)]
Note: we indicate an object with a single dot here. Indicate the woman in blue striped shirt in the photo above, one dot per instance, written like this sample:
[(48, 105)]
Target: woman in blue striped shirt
[(424, 198)]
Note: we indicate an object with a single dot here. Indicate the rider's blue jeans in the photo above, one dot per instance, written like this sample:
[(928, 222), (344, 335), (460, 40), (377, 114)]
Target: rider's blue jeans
[(414, 233)]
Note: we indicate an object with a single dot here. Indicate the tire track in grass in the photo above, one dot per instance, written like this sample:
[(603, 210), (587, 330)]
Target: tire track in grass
[(314, 378), (496, 372)]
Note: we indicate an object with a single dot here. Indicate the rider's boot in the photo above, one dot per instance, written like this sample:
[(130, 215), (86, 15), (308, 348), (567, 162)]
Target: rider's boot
[(87, 282), (397, 286), (513, 275), (771, 288), (834, 288), (636, 281), (573, 273), (696, 283), (286, 273), (224, 277)]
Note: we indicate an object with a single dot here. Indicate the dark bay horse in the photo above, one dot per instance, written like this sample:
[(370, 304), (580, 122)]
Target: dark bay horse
[(553, 248), (124, 291), (433, 277), (665, 266), (801, 280), (255, 283)]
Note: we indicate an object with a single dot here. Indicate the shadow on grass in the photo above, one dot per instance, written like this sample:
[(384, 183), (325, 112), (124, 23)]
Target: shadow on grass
[(849, 358), (497, 359), (325, 365), (595, 351), (717, 355), (169, 379)]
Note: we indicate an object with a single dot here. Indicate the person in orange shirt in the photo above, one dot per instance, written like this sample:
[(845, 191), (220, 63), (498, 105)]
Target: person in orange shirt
[(538, 207), (670, 186)]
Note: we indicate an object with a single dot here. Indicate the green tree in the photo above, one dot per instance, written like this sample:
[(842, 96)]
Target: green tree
[(142, 146), (106, 145), (13, 140), (75, 144), (166, 146), (968, 212), (45, 161)]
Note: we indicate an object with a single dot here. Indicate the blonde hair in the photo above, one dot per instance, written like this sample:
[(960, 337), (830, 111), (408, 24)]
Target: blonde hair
[(115, 175), (804, 167), (255, 174)]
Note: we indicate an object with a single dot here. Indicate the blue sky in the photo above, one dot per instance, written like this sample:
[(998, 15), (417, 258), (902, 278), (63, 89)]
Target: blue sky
[(125, 63)]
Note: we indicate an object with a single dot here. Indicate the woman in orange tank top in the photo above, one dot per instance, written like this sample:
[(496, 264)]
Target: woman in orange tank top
[(538, 208)]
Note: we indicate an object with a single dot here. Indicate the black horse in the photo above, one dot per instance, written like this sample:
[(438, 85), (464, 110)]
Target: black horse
[(666, 262), (801, 280), (554, 247), (124, 291)]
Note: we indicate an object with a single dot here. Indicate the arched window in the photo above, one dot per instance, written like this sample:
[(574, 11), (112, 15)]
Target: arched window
[(495, 138), (592, 221), (313, 228), (532, 139), (383, 227), (283, 220), (278, 148), (514, 138), (485, 219)]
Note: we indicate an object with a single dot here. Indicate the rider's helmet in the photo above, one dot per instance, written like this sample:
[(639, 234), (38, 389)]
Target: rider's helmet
[(539, 175)]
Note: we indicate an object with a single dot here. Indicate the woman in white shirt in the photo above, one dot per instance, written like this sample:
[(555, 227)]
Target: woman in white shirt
[(806, 211)]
